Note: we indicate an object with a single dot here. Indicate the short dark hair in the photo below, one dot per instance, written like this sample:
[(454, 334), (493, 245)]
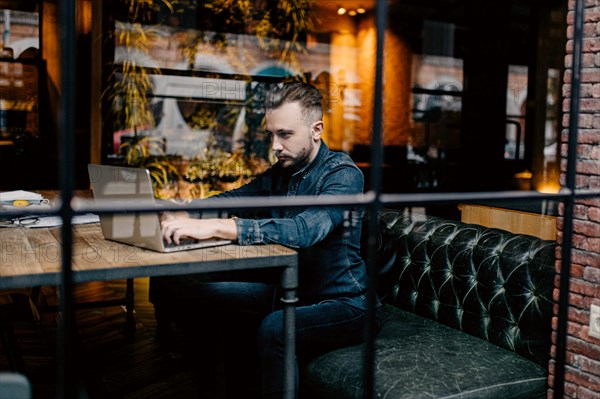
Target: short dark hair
[(308, 96)]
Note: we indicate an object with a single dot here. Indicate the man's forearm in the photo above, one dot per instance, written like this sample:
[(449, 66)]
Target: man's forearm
[(226, 228)]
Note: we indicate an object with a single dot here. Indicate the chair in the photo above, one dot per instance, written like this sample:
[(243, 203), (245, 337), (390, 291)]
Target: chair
[(14, 386)]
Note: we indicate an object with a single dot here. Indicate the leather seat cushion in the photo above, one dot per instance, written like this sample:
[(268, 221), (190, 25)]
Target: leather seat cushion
[(416, 357)]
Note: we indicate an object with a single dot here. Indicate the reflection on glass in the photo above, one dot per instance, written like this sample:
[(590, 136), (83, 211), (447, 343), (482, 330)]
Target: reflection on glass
[(20, 33), (19, 54), (436, 117), (516, 108)]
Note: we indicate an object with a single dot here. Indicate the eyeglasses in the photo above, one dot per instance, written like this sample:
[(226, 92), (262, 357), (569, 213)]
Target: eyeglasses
[(20, 222)]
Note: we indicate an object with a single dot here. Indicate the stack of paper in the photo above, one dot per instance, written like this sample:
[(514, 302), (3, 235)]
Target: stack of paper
[(21, 199)]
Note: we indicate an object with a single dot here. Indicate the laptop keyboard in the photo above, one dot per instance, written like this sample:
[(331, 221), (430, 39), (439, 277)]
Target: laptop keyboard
[(182, 243)]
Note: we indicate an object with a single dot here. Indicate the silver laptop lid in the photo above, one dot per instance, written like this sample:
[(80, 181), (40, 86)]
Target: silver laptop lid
[(118, 183)]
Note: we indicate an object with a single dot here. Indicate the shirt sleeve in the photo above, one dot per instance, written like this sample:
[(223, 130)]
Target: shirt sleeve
[(311, 225)]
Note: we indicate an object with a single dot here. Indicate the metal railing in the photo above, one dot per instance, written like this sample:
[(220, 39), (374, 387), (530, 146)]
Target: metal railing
[(373, 201)]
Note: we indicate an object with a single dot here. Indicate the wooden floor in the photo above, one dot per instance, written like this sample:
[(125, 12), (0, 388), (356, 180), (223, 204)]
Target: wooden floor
[(112, 365)]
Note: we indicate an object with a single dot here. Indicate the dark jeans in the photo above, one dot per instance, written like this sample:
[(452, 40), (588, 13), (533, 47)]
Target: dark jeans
[(320, 327)]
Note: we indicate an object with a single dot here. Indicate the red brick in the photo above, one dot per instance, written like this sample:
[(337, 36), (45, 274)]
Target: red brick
[(577, 271), (591, 75), (579, 241), (584, 151), (592, 274), (582, 379), (580, 211), (570, 390), (589, 29), (590, 45), (592, 202), (585, 288), (575, 330), (560, 221), (585, 258), (584, 348), (584, 393), (586, 364), (590, 244), (580, 316), (592, 14), (589, 104), (586, 121), (587, 90), (588, 167), (590, 136), (586, 228)]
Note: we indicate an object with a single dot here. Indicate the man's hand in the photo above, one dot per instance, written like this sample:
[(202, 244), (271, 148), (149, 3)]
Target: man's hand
[(173, 229), (173, 215)]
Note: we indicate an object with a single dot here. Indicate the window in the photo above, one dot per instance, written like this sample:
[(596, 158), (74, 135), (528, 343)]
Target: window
[(446, 128)]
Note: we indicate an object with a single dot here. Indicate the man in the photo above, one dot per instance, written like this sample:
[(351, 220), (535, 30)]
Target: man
[(333, 282)]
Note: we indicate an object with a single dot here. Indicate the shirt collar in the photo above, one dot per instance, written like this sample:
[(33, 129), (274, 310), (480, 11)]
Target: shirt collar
[(316, 161)]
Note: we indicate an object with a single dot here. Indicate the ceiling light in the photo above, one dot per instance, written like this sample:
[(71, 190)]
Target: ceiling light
[(341, 10), (352, 13), (361, 10)]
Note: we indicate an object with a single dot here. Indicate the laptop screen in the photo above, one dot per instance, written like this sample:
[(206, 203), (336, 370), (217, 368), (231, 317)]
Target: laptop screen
[(118, 183)]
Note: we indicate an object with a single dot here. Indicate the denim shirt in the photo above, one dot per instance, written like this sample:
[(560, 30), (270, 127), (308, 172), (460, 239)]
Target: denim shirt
[(327, 238)]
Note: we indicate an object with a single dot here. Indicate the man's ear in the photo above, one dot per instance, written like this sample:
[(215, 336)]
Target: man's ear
[(317, 130)]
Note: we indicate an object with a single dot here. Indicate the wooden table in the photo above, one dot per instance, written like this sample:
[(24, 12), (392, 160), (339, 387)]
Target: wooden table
[(32, 257)]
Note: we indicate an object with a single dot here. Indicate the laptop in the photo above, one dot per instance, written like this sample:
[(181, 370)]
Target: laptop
[(118, 183)]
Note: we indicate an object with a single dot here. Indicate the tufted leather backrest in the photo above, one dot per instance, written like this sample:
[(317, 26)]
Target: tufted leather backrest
[(486, 282)]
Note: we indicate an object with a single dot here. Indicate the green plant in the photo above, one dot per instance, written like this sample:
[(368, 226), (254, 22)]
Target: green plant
[(148, 152), (216, 170), (203, 119), (128, 93), (131, 84), (279, 30)]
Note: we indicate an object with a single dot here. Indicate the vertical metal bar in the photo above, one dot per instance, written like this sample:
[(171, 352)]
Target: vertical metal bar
[(565, 268), (289, 285), (373, 219), (67, 380)]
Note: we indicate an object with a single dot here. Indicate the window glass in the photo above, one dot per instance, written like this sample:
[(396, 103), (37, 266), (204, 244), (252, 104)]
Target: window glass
[(20, 33), (455, 100), (516, 108)]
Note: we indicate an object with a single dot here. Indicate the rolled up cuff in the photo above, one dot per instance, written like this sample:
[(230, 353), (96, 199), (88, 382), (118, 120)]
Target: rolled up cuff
[(248, 231)]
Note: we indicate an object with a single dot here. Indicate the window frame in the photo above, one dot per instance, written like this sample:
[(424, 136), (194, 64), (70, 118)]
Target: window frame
[(372, 201)]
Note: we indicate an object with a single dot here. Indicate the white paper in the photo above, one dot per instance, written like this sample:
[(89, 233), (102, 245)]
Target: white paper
[(20, 195)]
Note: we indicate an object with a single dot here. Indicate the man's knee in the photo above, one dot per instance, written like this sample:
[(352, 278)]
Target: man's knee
[(270, 333)]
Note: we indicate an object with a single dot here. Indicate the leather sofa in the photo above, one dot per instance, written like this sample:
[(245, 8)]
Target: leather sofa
[(467, 314)]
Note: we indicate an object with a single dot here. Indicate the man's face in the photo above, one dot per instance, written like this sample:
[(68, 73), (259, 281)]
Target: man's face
[(294, 139)]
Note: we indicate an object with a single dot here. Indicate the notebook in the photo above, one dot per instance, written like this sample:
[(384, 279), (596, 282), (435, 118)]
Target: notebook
[(142, 230)]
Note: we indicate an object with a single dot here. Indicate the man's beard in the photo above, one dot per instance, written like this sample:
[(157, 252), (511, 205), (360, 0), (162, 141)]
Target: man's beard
[(299, 161)]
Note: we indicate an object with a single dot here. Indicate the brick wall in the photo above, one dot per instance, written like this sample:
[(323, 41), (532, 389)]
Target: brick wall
[(582, 371)]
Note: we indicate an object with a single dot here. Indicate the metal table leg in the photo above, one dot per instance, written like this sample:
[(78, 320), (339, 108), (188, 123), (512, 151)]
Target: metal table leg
[(289, 284)]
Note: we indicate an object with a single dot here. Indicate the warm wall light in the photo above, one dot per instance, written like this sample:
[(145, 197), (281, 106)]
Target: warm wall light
[(351, 12), (549, 188)]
